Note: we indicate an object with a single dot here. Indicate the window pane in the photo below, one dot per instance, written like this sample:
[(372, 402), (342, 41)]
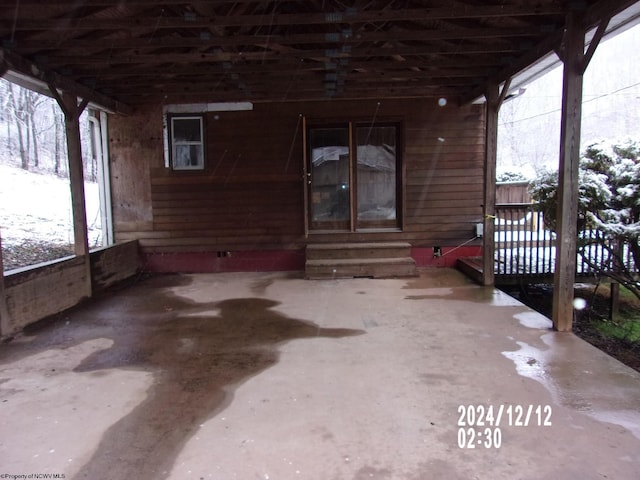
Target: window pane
[(329, 174), (376, 174), (188, 156), (186, 130)]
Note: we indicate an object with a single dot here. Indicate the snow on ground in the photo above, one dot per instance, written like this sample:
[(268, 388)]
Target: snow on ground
[(36, 206)]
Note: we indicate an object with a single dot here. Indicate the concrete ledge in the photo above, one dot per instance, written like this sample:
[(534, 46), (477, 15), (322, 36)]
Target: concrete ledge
[(35, 292)]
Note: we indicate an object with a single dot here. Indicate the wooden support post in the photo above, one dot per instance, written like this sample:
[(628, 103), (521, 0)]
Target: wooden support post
[(489, 209), (5, 324), (614, 290), (494, 97), (306, 177), (614, 301), (72, 111), (567, 211)]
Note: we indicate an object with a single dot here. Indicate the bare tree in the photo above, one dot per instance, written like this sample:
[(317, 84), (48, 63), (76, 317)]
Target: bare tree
[(17, 105), (58, 123), (24, 105)]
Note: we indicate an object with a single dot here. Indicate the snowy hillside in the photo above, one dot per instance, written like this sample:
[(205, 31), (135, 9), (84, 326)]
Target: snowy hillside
[(36, 206)]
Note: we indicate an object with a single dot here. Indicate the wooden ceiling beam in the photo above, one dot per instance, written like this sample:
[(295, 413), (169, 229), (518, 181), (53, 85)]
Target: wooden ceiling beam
[(128, 3), (21, 66), (293, 95), (190, 59), (276, 76), (117, 73), (73, 45), (606, 9), (549, 44), (318, 91), (276, 88), (132, 24)]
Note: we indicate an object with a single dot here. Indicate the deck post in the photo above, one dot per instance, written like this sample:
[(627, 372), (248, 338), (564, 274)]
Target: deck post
[(4, 310), (614, 301), (494, 98), (576, 60), (572, 54), (489, 209), (69, 104)]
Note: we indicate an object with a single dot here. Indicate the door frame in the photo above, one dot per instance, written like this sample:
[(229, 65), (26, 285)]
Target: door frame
[(353, 225)]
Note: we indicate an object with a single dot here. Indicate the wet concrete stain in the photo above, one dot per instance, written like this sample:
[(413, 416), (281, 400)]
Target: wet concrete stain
[(438, 278), (199, 353), (473, 293), (259, 287)]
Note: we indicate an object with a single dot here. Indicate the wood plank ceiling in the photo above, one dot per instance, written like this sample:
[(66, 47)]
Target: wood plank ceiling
[(141, 51)]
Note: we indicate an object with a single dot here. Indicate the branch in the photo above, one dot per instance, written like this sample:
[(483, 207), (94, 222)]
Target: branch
[(623, 276)]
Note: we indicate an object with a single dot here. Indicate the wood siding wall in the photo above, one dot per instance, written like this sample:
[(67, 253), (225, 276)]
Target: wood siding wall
[(250, 195)]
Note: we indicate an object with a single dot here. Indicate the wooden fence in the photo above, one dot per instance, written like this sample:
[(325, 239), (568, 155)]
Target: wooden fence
[(525, 248)]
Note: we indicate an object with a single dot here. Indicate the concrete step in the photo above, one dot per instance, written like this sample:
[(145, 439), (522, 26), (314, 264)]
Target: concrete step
[(368, 267), (471, 267), (358, 250)]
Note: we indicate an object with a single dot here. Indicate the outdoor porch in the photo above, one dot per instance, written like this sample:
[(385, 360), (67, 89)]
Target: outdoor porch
[(268, 375)]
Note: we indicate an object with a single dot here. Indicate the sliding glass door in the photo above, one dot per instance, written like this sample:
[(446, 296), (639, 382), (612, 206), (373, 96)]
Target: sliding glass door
[(353, 188), (376, 174)]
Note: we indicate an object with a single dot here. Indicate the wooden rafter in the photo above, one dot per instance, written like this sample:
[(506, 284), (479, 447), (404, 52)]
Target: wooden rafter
[(142, 44), (20, 65), (288, 19)]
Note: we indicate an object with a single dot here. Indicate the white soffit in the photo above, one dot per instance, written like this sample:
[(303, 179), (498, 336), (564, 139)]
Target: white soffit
[(208, 107)]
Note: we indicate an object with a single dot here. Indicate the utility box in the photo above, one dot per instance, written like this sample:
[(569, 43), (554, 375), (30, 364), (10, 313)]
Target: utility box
[(479, 230)]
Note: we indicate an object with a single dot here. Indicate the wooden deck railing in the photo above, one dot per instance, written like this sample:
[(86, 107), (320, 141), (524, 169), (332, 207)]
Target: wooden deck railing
[(524, 247)]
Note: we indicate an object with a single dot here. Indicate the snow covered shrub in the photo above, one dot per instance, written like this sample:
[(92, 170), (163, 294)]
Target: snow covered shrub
[(510, 176), (608, 202)]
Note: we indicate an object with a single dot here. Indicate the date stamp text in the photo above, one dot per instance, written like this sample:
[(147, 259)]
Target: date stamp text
[(480, 426)]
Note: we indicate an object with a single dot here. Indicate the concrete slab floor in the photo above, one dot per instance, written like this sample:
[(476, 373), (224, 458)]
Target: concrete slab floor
[(269, 376)]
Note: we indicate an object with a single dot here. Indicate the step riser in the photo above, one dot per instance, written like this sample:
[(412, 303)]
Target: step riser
[(342, 260), (377, 271), (358, 253)]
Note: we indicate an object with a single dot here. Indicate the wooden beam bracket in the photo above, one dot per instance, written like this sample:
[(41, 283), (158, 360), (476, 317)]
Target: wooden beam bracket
[(595, 41), (504, 92), (44, 78), (71, 112)]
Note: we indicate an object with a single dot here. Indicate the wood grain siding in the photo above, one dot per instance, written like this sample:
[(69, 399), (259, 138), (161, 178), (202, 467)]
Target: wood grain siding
[(249, 197), (250, 194), (444, 177), (135, 143)]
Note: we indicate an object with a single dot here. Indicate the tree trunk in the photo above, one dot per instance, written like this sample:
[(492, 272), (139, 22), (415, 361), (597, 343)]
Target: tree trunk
[(27, 132), (32, 129), (19, 121), (9, 146), (57, 124)]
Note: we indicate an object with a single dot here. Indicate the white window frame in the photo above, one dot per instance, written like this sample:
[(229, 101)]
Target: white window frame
[(175, 144)]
